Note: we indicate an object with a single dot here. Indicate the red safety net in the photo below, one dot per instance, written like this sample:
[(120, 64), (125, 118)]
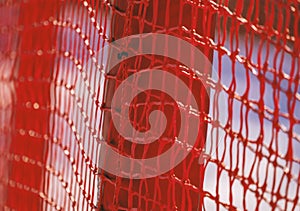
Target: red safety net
[(55, 105)]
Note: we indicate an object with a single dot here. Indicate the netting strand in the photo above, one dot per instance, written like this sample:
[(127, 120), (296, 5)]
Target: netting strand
[(56, 112)]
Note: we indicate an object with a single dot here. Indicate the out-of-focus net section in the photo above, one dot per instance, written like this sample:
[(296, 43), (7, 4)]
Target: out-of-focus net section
[(55, 105)]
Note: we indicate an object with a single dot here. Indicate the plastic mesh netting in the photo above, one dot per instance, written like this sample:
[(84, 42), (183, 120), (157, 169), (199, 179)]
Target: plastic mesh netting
[(56, 96)]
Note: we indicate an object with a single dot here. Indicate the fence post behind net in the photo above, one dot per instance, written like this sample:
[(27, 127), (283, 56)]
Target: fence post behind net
[(181, 187)]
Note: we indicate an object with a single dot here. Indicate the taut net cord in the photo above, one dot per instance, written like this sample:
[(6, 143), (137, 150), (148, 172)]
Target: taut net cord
[(56, 93)]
